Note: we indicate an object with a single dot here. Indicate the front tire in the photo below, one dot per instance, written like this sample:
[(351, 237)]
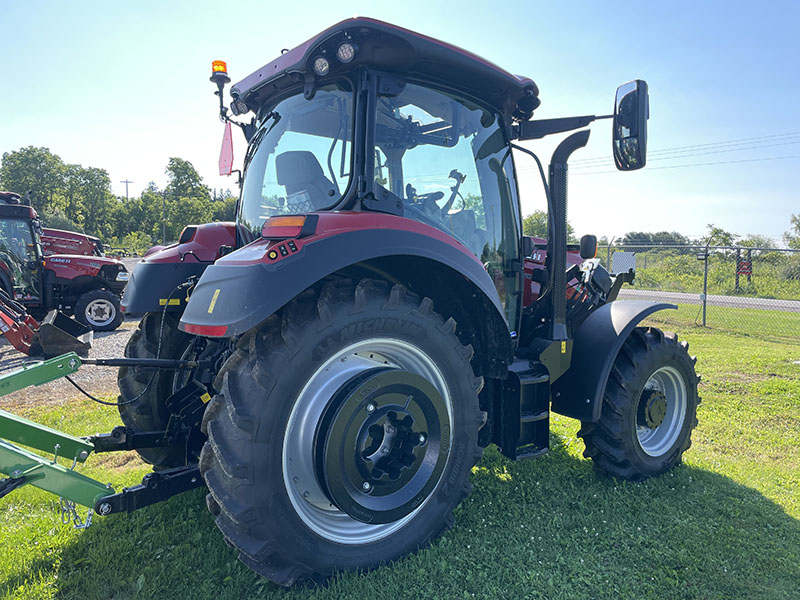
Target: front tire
[(649, 408), (314, 460), (100, 310)]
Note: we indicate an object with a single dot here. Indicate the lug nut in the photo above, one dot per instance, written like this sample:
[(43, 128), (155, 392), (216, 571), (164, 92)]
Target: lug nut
[(366, 486), (370, 408), (422, 438)]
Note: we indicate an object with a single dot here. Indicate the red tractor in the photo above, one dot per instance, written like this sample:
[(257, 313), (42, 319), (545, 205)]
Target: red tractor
[(375, 317), (86, 286)]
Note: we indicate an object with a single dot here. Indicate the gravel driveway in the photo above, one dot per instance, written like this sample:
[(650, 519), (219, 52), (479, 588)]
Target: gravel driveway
[(99, 381)]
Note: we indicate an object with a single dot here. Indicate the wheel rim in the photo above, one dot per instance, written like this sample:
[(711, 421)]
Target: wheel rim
[(100, 312), (300, 471), (661, 411)]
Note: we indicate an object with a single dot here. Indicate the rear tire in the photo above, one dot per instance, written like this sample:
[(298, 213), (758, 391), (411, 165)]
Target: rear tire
[(283, 392), (143, 391), (649, 408), (100, 310)]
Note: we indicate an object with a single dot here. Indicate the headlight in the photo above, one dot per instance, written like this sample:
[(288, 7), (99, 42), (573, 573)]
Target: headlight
[(123, 276)]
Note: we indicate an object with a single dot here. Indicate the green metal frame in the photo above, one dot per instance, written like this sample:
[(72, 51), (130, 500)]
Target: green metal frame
[(38, 471)]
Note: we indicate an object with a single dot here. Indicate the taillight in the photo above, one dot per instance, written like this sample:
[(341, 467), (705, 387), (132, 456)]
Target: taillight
[(206, 330)]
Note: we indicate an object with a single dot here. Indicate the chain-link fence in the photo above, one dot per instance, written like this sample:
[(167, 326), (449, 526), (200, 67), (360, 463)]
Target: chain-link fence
[(753, 291)]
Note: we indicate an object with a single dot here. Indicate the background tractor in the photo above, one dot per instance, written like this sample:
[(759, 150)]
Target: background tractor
[(332, 364), (82, 283)]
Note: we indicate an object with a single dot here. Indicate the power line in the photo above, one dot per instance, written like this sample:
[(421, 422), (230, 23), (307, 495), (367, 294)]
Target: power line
[(687, 155), (724, 162), (720, 144)]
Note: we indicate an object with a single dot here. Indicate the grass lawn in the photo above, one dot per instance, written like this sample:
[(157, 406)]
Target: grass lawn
[(771, 325), (726, 524)]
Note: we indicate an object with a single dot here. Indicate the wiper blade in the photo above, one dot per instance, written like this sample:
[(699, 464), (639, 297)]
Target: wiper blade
[(263, 130)]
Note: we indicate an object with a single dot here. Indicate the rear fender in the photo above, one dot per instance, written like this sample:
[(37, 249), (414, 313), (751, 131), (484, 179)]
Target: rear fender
[(578, 393), (242, 289)]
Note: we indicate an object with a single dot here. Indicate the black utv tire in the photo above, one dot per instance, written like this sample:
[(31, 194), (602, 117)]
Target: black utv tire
[(100, 310), (261, 506), (649, 408), (143, 391)]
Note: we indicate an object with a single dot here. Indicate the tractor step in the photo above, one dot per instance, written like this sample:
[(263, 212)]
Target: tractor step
[(523, 427)]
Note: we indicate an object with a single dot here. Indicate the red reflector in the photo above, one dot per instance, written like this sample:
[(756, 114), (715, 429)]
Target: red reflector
[(206, 330)]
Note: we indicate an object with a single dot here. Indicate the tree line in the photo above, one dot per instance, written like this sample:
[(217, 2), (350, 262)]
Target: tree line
[(78, 198)]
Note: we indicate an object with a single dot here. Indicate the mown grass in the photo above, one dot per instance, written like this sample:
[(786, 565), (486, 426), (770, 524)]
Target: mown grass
[(771, 325), (725, 524)]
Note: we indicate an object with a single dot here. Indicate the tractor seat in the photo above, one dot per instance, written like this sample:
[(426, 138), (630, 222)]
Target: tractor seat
[(307, 188), (462, 224)]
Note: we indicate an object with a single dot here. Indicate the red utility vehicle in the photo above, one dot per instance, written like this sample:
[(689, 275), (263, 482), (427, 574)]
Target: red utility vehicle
[(86, 286), (58, 241)]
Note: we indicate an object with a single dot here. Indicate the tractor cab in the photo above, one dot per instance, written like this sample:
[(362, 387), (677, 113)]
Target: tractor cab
[(20, 249)]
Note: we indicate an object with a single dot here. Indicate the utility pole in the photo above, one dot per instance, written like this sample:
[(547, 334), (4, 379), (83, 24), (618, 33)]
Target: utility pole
[(126, 182)]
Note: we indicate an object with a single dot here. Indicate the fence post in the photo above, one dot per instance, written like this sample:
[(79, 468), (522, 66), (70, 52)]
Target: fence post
[(705, 286), (750, 260), (738, 262)]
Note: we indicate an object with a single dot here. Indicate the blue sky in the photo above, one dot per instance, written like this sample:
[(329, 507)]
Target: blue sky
[(124, 86)]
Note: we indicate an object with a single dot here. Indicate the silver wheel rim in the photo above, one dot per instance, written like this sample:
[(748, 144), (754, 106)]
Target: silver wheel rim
[(305, 493), (100, 312), (659, 440)]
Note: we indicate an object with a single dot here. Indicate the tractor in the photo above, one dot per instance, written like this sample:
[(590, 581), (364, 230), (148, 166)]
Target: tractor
[(333, 363), (83, 283)]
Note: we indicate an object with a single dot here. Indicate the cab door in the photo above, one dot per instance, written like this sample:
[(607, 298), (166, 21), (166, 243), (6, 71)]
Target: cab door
[(448, 159)]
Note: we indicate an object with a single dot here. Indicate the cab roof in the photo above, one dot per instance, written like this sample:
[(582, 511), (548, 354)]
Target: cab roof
[(390, 48)]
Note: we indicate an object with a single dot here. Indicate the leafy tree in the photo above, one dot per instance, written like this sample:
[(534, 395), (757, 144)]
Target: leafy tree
[(184, 180), (98, 201), (792, 237), (33, 169), (535, 225), (224, 209), (717, 236), (57, 219), (661, 238), (187, 211)]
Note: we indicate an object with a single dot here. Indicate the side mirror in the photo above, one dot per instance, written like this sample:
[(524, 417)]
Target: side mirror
[(588, 247), (631, 111)]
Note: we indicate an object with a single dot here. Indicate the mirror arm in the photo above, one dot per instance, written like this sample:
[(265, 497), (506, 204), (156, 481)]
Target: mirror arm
[(534, 130)]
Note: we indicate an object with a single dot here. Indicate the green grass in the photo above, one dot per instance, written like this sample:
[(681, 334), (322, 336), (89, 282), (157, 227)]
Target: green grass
[(726, 524), (772, 325)]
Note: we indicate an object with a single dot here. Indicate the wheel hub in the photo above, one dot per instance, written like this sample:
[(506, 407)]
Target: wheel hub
[(100, 312), (652, 408), (382, 443)]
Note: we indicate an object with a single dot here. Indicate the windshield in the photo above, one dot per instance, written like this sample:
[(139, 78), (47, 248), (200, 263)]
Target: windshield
[(299, 159), (17, 252)]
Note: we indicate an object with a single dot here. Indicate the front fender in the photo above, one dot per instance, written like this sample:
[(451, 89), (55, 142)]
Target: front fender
[(242, 289), (578, 393)]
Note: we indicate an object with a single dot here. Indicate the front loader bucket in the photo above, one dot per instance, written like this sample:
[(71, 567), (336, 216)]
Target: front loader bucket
[(58, 334)]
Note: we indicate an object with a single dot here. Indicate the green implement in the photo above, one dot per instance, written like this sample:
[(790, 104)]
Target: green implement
[(23, 467)]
